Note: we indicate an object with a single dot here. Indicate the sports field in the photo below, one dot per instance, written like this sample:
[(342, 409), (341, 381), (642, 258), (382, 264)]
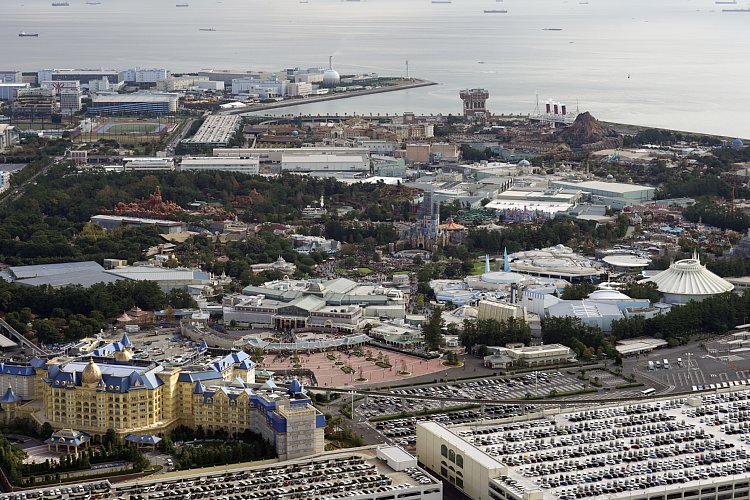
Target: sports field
[(138, 128)]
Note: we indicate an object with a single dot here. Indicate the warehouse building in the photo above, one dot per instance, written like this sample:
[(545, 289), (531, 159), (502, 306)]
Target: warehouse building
[(8, 91), (322, 164), (614, 194), (82, 75), (249, 166)]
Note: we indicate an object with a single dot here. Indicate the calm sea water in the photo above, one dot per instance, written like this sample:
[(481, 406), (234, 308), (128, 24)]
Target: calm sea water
[(686, 60)]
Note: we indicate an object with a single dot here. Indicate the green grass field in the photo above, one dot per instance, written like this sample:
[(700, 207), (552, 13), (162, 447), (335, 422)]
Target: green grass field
[(133, 128)]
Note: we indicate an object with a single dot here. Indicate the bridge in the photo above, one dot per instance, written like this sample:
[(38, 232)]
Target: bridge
[(22, 340)]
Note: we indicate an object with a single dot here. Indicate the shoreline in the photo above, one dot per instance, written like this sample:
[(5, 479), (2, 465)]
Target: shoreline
[(416, 83)]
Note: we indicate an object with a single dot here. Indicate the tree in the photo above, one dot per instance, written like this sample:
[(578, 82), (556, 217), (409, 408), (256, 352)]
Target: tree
[(180, 299), (432, 330), (578, 292)]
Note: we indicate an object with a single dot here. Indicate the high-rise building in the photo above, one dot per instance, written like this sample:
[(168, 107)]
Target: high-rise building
[(70, 101)]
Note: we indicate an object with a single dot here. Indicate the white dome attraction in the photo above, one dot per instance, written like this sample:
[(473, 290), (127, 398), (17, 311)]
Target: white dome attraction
[(607, 294), (687, 280)]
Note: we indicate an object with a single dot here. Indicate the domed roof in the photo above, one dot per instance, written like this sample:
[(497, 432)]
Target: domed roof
[(331, 78), (608, 295), (689, 277), (92, 373), (524, 163), (737, 142), (123, 355)]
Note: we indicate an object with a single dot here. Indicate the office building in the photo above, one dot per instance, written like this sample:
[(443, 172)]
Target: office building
[(216, 131), (249, 166), (640, 450), (518, 355), (133, 104), (143, 76), (11, 77), (8, 91), (70, 101), (4, 178), (82, 75), (34, 103), (228, 76), (300, 89)]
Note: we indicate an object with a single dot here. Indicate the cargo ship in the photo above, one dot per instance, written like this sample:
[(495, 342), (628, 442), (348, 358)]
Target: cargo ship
[(207, 29), (735, 10), (60, 4), (23, 33), (494, 11)]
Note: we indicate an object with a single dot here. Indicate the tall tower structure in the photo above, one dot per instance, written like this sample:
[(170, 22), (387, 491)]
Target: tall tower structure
[(475, 103)]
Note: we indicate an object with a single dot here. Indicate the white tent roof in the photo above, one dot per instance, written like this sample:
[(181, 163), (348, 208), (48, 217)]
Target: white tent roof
[(689, 277)]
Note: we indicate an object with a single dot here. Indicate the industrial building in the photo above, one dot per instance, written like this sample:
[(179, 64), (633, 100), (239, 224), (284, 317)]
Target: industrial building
[(614, 194), (547, 201), (216, 131), (321, 164), (643, 450), (82, 75), (274, 155), (249, 166), (133, 104), (110, 222), (9, 90)]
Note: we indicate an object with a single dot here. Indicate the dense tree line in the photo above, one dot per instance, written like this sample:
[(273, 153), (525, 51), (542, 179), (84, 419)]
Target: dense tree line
[(714, 315), (717, 215), (215, 447), (432, 329), (587, 341), (526, 237), (48, 223), (730, 266), (667, 138), (489, 332), (20, 473), (73, 312)]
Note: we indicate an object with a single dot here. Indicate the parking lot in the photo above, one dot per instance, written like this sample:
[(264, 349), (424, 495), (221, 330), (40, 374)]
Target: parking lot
[(402, 431), (691, 368), (534, 384)]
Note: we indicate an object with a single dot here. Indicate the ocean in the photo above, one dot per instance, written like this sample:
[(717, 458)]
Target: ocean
[(677, 64)]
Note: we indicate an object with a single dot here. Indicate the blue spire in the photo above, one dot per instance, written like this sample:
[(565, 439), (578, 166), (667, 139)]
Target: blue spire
[(126, 341), (506, 261), (10, 397), (486, 263), (198, 388)]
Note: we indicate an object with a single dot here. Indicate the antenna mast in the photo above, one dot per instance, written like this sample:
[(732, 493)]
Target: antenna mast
[(407, 69)]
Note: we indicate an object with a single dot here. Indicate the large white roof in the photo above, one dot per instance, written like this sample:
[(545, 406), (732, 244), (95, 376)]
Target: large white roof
[(689, 277)]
